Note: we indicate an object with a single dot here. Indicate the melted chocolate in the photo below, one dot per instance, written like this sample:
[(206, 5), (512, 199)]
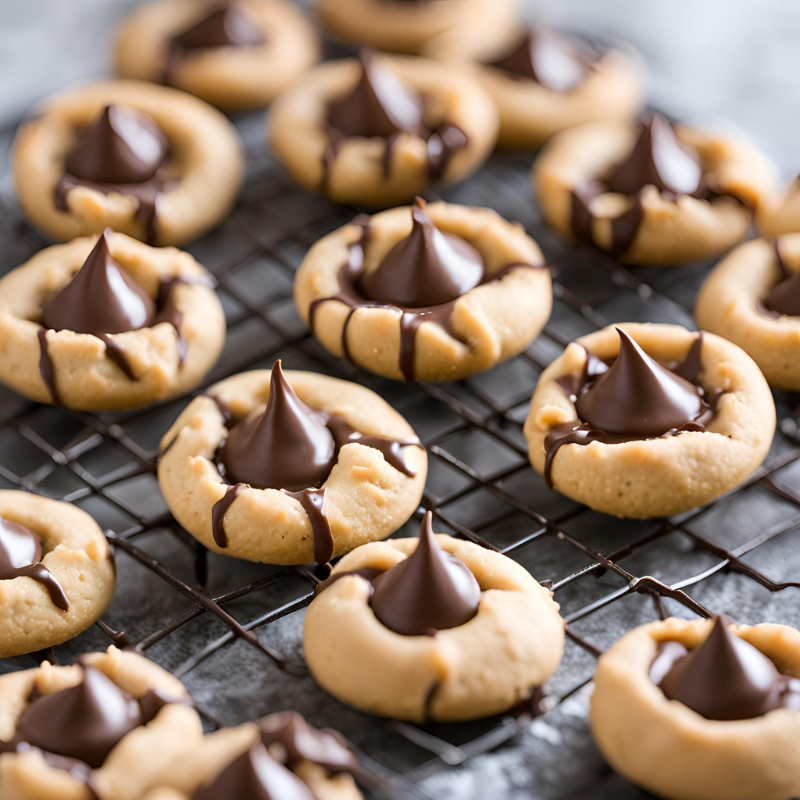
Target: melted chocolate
[(21, 556), (382, 105), (426, 268), (228, 26), (46, 368), (556, 62), (431, 590), (293, 447), (123, 152), (724, 677), (784, 297), (635, 398), (348, 278)]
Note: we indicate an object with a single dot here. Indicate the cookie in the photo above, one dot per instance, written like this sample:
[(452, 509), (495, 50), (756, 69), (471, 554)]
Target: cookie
[(108, 323), (146, 160), (433, 292), (702, 711), (105, 728), (326, 466), (279, 756), (752, 297), (237, 55), (404, 26), (653, 194), (379, 130), (56, 573), (433, 628), (645, 420), (544, 82), (780, 211)]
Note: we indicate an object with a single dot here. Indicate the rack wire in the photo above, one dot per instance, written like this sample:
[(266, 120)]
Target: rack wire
[(609, 575)]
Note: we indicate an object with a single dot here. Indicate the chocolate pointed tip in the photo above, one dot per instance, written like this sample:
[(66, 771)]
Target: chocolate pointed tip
[(426, 534)]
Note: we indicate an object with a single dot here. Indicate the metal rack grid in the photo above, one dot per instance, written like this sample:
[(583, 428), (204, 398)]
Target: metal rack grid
[(609, 575)]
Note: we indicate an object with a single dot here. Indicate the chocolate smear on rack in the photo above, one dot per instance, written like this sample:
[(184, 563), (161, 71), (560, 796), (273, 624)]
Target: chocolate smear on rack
[(557, 62), (427, 265), (292, 447), (255, 775), (635, 398), (382, 105), (784, 298), (123, 152), (659, 158), (21, 556), (724, 677), (428, 591)]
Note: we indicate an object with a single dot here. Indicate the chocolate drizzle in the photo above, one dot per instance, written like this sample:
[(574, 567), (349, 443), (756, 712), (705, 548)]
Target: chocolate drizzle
[(784, 297), (124, 152), (430, 590), (724, 677), (658, 159), (635, 398), (293, 447), (453, 274), (556, 62), (381, 105), (21, 556)]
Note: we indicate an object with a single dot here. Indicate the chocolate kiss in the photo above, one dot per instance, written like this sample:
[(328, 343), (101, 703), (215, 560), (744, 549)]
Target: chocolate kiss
[(287, 446), (426, 268), (638, 396), (380, 105), (101, 298), (255, 775), (84, 722), (785, 297), (547, 58), (226, 27), (19, 547), (659, 158), (123, 146), (429, 591), (725, 678)]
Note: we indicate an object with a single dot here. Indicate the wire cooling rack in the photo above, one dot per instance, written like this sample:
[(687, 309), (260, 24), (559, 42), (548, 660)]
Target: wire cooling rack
[(738, 555)]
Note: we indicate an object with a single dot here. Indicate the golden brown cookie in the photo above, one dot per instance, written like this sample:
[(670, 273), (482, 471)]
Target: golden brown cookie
[(108, 323), (780, 211), (382, 637), (380, 130), (478, 293), (326, 466), (113, 722), (57, 573), (668, 748), (674, 423), (653, 194), (752, 297), (150, 161), (238, 55), (544, 82)]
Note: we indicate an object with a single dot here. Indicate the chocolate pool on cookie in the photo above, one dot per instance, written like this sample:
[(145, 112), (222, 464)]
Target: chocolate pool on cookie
[(108, 323), (290, 468), (431, 629), (379, 130), (237, 55), (702, 710), (651, 193), (146, 160), (645, 420), (433, 292)]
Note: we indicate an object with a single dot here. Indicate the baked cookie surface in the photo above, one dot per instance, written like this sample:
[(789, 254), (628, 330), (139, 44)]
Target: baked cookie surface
[(656, 194), (107, 727), (146, 160), (431, 629), (379, 130), (108, 323), (752, 298), (745, 747), (57, 572), (326, 466), (646, 420), (434, 292), (237, 55)]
